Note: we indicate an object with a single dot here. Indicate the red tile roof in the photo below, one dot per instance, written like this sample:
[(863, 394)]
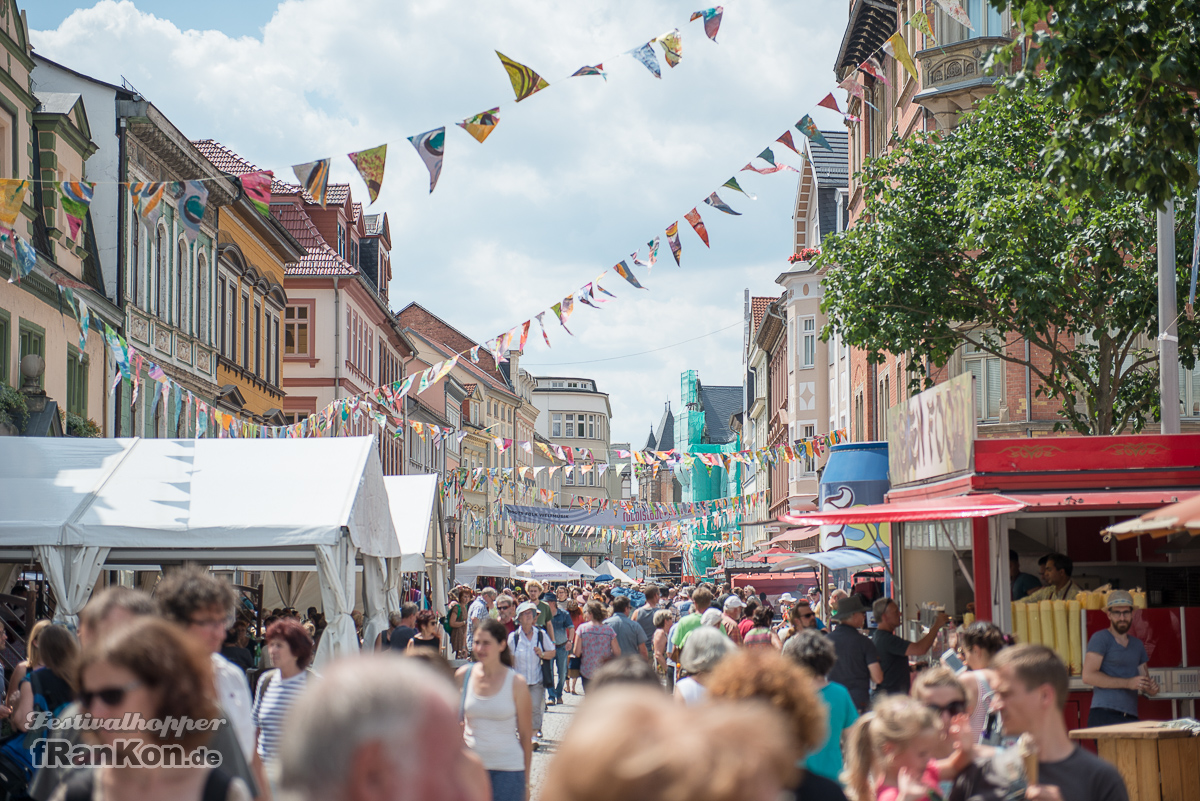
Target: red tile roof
[(335, 194), (357, 212), (758, 307), (223, 158), (320, 258)]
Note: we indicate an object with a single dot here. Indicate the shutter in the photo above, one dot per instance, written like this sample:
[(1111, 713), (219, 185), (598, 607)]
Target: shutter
[(976, 369), (995, 387)]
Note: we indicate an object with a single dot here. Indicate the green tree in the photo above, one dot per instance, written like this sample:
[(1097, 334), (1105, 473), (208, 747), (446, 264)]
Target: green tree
[(1128, 73), (963, 241)]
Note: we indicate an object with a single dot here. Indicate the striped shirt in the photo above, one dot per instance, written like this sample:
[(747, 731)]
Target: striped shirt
[(271, 707)]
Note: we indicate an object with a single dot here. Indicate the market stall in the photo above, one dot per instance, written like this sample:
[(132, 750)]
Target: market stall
[(544, 567), (583, 569), (608, 568), (77, 505), (485, 563), (958, 506)]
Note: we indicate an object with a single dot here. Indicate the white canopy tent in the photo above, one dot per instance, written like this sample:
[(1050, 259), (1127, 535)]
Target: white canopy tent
[(584, 569), (76, 504), (608, 567), (485, 563), (412, 501), (544, 567)]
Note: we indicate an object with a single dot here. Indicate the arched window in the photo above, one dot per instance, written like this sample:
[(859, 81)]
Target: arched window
[(160, 272), (201, 325), (135, 274), (182, 282)]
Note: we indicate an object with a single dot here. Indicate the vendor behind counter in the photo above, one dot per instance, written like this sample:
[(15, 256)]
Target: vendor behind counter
[(1056, 572)]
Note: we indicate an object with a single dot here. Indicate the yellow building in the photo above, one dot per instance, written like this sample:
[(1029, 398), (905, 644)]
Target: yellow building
[(46, 137), (252, 254)]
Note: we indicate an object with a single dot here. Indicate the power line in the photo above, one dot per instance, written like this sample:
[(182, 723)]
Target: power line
[(639, 353)]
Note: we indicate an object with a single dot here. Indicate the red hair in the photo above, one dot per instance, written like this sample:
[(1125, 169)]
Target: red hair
[(292, 632)]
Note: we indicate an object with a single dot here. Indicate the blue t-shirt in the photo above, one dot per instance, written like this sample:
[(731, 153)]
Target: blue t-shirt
[(561, 620), (1024, 584), (840, 715), (1120, 663)]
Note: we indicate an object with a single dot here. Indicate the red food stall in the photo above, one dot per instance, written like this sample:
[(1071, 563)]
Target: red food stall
[(957, 511)]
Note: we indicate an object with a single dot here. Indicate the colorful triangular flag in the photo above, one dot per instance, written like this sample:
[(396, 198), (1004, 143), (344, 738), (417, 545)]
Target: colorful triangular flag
[(957, 12), (557, 308), (921, 22), (872, 68), (693, 217), (768, 156), (733, 184), (829, 101), (525, 81), (645, 54), (809, 128), (431, 148), (898, 50), (672, 46), (786, 139), (673, 241), (314, 179), (623, 270), (191, 201), (257, 188), (147, 200), (370, 164), (12, 195), (720, 205), (596, 70), (712, 20), (653, 255), (482, 124), (542, 326), (768, 170), (75, 197)]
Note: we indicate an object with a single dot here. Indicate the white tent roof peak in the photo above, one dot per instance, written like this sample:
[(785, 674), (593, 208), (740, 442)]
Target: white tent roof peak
[(584, 569), (545, 567), (608, 567), (411, 499), (485, 563)]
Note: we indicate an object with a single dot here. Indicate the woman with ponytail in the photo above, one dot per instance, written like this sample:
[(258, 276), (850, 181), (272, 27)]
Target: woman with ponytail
[(890, 753)]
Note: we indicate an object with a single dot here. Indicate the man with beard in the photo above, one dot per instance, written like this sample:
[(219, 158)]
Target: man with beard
[(1115, 664)]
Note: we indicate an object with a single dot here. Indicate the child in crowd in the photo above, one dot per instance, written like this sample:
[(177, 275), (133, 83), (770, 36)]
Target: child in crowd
[(890, 753)]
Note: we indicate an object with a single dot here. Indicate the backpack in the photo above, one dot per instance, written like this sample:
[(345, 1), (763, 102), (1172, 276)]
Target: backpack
[(547, 664)]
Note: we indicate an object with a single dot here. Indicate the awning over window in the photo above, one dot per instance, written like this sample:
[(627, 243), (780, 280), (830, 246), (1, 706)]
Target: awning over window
[(1173, 519), (796, 535), (929, 509), (837, 559), (1132, 500)]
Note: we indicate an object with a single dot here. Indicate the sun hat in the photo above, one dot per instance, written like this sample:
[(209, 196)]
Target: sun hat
[(733, 602), (527, 606), (1118, 598), (787, 598), (848, 607)]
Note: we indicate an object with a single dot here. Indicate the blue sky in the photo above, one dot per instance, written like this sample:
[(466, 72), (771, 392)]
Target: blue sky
[(572, 181)]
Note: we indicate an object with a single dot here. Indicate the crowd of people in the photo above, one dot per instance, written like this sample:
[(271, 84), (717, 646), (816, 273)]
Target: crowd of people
[(689, 693)]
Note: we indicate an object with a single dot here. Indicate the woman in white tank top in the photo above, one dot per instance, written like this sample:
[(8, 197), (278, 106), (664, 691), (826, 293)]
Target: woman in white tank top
[(497, 712), (980, 642)]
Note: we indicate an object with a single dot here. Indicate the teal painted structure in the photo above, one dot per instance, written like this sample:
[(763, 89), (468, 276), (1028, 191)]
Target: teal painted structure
[(700, 429)]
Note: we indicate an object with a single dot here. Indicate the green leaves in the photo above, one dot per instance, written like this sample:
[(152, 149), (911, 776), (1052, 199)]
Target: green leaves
[(963, 240)]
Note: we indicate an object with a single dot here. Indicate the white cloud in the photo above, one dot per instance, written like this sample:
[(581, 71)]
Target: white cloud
[(572, 181)]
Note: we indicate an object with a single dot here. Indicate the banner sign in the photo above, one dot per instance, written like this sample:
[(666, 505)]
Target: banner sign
[(605, 518), (931, 436)]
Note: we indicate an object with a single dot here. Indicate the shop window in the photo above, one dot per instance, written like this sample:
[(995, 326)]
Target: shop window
[(76, 383), (989, 382)]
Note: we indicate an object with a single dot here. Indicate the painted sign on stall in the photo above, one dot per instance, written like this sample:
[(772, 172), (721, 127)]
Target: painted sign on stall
[(931, 436)]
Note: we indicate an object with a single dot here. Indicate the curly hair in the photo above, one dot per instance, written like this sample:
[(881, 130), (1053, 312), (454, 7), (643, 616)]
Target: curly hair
[(188, 590), (298, 640), (425, 617), (769, 676), (987, 636), (164, 658)]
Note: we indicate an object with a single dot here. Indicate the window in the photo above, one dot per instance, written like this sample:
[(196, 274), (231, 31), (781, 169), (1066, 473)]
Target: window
[(5, 336), (259, 338), (201, 322), (808, 342), (76, 383), (809, 462), (246, 335), (591, 478), (569, 473), (181, 283), (580, 421), (556, 425), (591, 426), (556, 385), (1189, 389), (33, 340), (341, 241), (986, 21), (275, 378), (570, 425), (135, 275), (989, 381), (859, 434), (370, 353), (354, 252), (573, 384), (221, 339), (882, 404), (231, 316), (160, 275)]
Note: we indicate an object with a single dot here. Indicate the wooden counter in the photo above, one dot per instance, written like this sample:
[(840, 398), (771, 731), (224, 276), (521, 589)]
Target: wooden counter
[(1157, 763)]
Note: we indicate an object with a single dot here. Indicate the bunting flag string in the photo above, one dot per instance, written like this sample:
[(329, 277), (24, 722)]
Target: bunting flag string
[(596, 70), (623, 270), (370, 165), (192, 198), (314, 179), (957, 12), (75, 197), (693, 218), (257, 187), (481, 125), (897, 49), (809, 128), (673, 241), (672, 45), (786, 140), (645, 54), (712, 20), (431, 148), (720, 205), (525, 81)]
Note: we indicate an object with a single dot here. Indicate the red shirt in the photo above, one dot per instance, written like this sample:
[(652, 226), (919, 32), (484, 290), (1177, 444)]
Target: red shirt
[(744, 626)]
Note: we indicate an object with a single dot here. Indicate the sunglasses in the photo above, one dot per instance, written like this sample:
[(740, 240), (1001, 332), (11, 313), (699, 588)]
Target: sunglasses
[(504, 606), (952, 709), (809, 616), (111, 696)]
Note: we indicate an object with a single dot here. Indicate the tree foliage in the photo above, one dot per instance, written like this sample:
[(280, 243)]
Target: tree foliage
[(1128, 73), (963, 241)]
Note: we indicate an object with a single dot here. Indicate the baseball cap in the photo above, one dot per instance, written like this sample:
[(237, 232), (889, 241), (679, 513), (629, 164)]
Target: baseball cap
[(527, 606), (549, 596), (1118, 598), (733, 602), (787, 598)]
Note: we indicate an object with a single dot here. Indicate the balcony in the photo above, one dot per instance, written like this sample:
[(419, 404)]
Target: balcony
[(952, 77)]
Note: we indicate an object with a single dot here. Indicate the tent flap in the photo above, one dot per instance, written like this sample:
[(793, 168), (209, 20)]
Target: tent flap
[(335, 568), (411, 499), (837, 559), (485, 563)]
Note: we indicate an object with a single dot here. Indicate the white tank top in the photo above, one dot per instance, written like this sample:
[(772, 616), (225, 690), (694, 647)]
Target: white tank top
[(491, 730)]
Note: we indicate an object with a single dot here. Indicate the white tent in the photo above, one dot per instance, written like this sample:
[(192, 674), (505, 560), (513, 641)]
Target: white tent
[(544, 567), (608, 567), (485, 563), (77, 504), (584, 569)]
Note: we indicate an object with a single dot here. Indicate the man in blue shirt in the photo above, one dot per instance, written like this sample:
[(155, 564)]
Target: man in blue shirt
[(1022, 583), (1115, 665), (564, 633)]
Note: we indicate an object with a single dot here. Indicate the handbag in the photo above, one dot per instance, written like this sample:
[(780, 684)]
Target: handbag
[(547, 664)]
